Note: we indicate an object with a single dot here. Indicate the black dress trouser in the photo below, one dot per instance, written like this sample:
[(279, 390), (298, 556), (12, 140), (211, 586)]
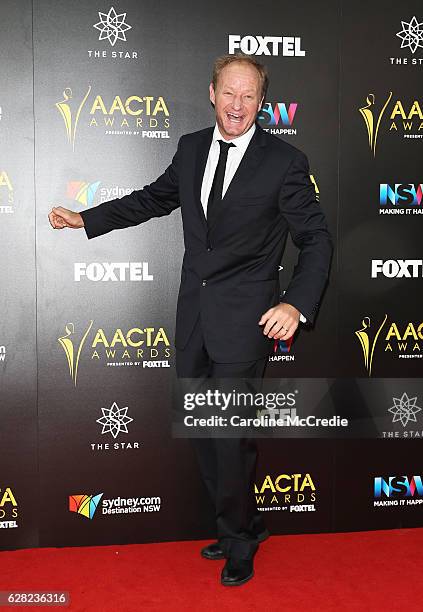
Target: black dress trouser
[(227, 465)]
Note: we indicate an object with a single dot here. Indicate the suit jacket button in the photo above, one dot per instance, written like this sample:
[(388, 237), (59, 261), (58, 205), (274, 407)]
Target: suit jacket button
[(209, 248), (204, 283)]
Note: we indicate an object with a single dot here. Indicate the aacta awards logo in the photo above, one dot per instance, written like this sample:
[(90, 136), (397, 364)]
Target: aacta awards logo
[(146, 347), (6, 194), (404, 117), (8, 509), (286, 492), (368, 336), (70, 109), (85, 505), (404, 341), (145, 116)]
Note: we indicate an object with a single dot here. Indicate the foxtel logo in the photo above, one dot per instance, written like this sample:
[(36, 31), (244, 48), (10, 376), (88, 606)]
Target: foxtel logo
[(123, 271), (266, 45), (397, 268)]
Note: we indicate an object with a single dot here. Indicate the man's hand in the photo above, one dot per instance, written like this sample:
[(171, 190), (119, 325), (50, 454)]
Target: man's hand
[(280, 322), (60, 217)]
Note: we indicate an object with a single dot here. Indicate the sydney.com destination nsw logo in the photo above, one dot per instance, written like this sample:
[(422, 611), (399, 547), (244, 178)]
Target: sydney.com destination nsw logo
[(147, 347)]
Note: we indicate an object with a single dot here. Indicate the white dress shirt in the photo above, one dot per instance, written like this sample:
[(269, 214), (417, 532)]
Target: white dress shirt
[(235, 155)]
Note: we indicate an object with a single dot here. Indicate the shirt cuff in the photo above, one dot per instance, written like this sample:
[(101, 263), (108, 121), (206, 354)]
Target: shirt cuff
[(302, 318)]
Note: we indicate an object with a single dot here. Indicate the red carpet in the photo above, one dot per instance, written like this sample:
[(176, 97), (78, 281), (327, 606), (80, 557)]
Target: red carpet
[(368, 571)]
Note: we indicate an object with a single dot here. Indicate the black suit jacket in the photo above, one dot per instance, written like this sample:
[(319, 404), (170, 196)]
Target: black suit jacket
[(230, 270)]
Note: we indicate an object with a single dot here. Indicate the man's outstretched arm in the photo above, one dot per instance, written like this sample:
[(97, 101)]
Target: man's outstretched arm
[(155, 200)]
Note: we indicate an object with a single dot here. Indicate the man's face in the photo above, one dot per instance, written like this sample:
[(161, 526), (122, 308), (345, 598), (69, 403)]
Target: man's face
[(237, 99)]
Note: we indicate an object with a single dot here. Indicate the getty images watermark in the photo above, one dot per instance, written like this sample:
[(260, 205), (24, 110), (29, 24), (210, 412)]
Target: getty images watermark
[(224, 411), (274, 414)]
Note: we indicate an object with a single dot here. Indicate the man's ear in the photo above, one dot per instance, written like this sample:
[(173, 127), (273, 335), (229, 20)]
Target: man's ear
[(212, 94)]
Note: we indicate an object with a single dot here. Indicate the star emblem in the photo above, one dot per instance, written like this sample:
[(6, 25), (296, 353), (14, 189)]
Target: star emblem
[(112, 26), (114, 420), (404, 409), (411, 34)]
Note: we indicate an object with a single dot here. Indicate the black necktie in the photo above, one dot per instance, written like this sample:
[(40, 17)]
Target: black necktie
[(217, 186)]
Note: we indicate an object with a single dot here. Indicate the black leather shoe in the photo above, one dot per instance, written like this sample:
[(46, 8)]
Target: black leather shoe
[(214, 552), (237, 572)]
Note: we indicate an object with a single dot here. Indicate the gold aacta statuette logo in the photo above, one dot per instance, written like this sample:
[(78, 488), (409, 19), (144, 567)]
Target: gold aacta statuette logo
[(70, 113), (73, 353), (366, 344), (373, 123)]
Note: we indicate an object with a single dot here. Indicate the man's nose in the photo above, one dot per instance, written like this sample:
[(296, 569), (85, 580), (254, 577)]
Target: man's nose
[(237, 102)]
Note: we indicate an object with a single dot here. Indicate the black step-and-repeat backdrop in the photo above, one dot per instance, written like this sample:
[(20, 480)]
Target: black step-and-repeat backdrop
[(93, 99)]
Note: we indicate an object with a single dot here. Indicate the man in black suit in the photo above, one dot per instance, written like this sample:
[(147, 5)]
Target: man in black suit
[(241, 191)]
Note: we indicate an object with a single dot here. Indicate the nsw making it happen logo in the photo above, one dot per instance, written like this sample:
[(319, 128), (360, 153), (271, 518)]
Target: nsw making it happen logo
[(282, 350), (400, 198), (278, 118), (397, 491)]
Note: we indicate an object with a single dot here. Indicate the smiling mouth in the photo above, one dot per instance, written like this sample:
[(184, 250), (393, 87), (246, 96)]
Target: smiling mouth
[(234, 117)]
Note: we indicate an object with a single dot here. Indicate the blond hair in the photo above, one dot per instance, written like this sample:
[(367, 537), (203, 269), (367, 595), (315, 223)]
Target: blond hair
[(225, 60)]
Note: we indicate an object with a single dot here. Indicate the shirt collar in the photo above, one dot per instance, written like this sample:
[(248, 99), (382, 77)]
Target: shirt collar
[(241, 142)]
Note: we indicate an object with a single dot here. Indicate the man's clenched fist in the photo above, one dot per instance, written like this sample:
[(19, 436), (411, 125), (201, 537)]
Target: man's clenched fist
[(60, 217)]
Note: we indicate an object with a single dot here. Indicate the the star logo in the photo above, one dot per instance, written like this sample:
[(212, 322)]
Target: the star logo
[(404, 409), (114, 420), (411, 35), (112, 26)]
